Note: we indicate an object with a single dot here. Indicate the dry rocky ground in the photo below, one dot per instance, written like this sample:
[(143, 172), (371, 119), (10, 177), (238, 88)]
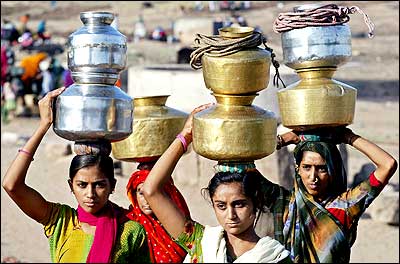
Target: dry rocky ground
[(374, 71)]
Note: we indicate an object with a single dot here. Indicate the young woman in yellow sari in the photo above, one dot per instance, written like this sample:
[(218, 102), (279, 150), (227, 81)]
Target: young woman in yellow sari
[(98, 231)]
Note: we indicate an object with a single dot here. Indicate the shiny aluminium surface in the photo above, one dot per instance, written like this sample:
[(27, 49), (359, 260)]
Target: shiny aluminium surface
[(96, 51), (93, 111), (316, 46)]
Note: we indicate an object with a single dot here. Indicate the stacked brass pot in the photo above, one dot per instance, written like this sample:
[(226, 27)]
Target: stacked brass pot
[(316, 100), (154, 128), (234, 129)]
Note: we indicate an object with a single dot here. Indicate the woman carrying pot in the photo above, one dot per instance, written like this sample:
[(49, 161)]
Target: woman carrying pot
[(235, 199), (317, 220), (98, 230)]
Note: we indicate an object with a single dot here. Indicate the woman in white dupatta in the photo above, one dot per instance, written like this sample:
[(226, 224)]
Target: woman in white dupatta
[(236, 200)]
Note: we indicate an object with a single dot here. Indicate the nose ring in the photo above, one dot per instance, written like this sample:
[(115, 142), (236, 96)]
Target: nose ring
[(316, 180)]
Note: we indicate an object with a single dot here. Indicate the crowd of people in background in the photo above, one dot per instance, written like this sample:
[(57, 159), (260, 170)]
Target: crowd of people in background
[(35, 73)]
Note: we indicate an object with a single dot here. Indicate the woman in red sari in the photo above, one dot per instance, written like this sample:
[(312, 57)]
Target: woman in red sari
[(162, 248)]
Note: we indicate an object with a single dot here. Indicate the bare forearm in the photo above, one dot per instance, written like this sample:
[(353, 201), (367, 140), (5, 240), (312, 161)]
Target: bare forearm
[(164, 166), (16, 173), (163, 207), (386, 164)]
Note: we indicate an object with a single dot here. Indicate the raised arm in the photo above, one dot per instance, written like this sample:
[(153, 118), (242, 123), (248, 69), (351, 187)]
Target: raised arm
[(385, 163), (28, 199), (167, 213)]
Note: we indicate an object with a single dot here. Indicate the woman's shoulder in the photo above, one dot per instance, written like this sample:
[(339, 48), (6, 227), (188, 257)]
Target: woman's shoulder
[(57, 210)]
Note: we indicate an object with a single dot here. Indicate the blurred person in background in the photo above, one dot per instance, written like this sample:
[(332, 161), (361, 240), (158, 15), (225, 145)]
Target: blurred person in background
[(8, 102), (9, 32), (48, 81), (42, 34), (23, 24), (67, 78), (31, 77), (140, 29)]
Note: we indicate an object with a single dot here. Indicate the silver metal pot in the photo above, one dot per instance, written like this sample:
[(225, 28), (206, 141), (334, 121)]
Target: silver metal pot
[(316, 46), (93, 108), (85, 112), (96, 51)]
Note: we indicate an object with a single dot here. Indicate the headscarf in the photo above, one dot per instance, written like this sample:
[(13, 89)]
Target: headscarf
[(106, 222), (312, 233), (161, 245)]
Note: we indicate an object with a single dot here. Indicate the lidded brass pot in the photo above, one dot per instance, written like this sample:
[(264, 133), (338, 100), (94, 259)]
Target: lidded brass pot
[(243, 72), (154, 128), (316, 100), (233, 129)]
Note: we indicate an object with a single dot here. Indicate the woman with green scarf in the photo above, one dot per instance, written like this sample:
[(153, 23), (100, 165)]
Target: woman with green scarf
[(317, 220)]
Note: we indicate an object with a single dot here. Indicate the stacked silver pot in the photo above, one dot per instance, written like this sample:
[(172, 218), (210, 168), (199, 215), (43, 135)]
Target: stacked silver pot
[(315, 53), (93, 108)]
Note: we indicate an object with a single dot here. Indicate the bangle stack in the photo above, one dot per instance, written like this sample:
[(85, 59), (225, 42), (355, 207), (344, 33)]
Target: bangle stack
[(24, 151), (183, 141)]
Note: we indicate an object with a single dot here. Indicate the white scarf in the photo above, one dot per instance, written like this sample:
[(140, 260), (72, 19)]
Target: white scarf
[(267, 250)]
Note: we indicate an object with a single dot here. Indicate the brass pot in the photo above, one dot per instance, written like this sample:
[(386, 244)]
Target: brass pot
[(234, 130), (154, 128), (317, 100), (244, 72)]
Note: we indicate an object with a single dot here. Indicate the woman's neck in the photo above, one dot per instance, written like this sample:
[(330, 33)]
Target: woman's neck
[(239, 244)]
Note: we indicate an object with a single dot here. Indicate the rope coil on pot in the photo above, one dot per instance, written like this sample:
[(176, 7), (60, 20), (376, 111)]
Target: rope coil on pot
[(217, 46), (327, 15)]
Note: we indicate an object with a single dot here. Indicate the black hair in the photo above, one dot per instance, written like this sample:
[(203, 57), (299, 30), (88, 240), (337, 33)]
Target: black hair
[(104, 163), (251, 182)]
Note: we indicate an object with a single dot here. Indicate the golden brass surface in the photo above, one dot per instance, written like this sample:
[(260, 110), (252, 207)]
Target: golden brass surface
[(243, 72), (235, 99), (151, 101), (234, 132), (235, 32), (155, 126), (317, 100)]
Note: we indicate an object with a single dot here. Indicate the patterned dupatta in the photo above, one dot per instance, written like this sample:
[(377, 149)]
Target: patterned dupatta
[(310, 232)]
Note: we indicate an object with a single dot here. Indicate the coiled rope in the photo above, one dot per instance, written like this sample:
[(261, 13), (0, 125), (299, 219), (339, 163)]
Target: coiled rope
[(326, 15), (217, 46)]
